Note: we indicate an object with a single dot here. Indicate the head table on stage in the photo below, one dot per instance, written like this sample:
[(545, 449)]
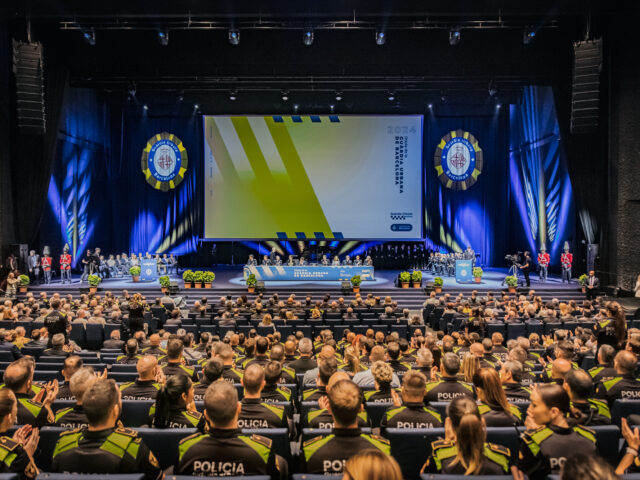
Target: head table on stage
[(308, 272)]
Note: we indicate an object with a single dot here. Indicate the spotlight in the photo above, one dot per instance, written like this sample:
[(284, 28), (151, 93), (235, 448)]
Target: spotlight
[(234, 36), (233, 95), (338, 96), (307, 36), (181, 98), (131, 90), (285, 95), (391, 96), (492, 89), (332, 107), (381, 37), (89, 36), (163, 37), (430, 106), (454, 36), (196, 106), (295, 107), (528, 35), (145, 107), (498, 106)]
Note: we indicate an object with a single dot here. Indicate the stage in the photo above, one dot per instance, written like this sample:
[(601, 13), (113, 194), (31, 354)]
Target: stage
[(231, 278)]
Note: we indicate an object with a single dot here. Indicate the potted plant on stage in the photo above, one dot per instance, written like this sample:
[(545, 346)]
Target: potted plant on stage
[(197, 278), (477, 274), (437, 284), (582, 280), (208, 278), (187, 276), (512, 283), (164, 283), (252, 281), (355, 283), (24, 281), (416, 279), (135, 273), (94, 281), (405, 278)]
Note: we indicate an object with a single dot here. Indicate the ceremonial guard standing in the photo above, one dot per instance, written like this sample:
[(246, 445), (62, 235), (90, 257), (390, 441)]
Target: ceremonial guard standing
[(543, 262), (65, 265), (46, 266), (566, 259)]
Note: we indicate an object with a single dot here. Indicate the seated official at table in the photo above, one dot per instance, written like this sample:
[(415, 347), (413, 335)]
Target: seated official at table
[(324, 261), (358, 261), (265, 260), (336, 261), (302, 261), (278, 260), (347, 261), (368, 261), (290, 261), (252, 262)]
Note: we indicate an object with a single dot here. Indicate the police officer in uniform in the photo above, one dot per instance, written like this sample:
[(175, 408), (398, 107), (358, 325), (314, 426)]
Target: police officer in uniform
[(255, 413), (72, 364), (327, 455), (224, 451), (411, 412), (511, 378), (211, 372), (175, 365), (604, 370), (584, 410), (252, 262), (624, 385), (449, 387), (74, 417), (549, 440), (145, 387), (271, 391), (321, 418), (102, 447), (131, 357), (16, 453), (55, 321), (18, 377), (230, 373)]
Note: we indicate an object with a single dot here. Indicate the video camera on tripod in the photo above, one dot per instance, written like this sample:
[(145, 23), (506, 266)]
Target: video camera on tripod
[(514, 258)]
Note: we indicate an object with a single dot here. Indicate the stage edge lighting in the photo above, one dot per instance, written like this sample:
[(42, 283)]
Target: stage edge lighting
[(233, 95), (285, 95), (381, 37), (163, 37), (454, 36), (307, 37), (338, 96)]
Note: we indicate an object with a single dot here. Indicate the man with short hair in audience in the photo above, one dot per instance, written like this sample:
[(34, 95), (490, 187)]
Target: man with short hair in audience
[(72, 364), (327, 455), (18, 377), (409, 411), (154, 346), (224, 451), (605, 369), (131, 356), (624, 385), (102, 447), (586, 411), (230, 373), (74, 417), (326, 368), (255, 413), (211, 372), (58, 348), (449, 387), (175, 362), (146, 386), (114, 342), (271, 391), (511, 379), (305, 362)]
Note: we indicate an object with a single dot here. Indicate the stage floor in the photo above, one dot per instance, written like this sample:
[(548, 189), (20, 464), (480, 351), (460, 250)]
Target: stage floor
[(231, 278)]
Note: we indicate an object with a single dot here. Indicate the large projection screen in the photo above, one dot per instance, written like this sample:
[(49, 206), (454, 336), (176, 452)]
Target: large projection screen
[(313, 177)]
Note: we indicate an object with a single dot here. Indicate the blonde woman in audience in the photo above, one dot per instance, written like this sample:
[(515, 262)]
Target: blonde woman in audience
[(470, 365), (371, 465)]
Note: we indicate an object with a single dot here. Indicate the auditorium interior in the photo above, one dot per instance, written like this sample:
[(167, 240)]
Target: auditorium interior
[(285, 240)]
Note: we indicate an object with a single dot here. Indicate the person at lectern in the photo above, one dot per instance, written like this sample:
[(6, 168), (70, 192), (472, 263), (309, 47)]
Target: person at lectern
[(252, 262), (347, 261), (324, 261), (265, 260), (336, 261), (358, 261)]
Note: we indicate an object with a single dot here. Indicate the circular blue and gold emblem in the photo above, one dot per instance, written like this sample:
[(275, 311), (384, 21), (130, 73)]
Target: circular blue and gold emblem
[(458, 160), (164, 161)]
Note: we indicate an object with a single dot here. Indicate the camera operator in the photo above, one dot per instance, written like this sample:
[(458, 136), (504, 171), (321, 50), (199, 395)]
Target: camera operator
[(526, 267)]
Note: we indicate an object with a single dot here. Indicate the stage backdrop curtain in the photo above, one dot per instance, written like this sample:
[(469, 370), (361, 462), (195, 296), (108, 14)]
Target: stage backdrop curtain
[(478, 216), (98, 194)]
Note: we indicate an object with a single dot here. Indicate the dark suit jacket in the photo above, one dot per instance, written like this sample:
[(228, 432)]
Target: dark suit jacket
[(113, 344), (596, 282)]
